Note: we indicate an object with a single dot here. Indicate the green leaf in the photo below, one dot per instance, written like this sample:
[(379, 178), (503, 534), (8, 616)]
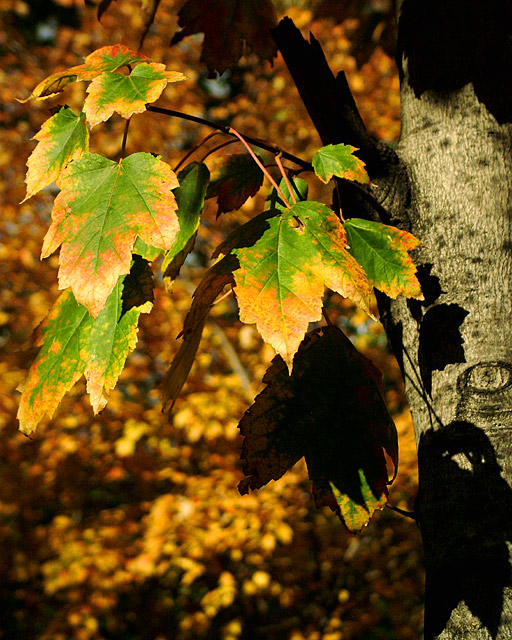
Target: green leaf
[(62, 138), (126, 95), (331, 411), (338, 160), (212, 284), (300, 191), (190, 197), (59, 364), (382, 251), (107, 58), (72, 343), (114, 332), (281, 279), (101, 209), (234, 180)]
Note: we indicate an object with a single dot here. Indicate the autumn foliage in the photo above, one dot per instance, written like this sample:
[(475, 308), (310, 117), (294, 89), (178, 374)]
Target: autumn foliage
[(123, 524)]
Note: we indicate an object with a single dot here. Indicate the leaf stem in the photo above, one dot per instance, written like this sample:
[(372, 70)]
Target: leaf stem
[(125, 138), (285, 177), (260, 165), (217, 148), (194, 149)]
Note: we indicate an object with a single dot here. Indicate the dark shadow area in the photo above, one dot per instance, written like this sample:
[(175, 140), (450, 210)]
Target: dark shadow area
[(440, 340), (464, 511), (431, 289), (451, 43)]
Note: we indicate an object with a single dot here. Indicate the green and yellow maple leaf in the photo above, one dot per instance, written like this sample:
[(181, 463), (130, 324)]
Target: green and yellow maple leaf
[(102, 207), (107, 58), (281, 279), (73, 343), (382, 251), (62, 138), (339, 160), (126, 95)]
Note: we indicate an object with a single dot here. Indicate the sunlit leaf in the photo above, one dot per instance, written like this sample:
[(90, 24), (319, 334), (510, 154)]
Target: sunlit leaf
[(227, 26), (281, 279), (59, 364), (107, 58), (114, 333), (62, 138), (331, 411), (190, 200), (101, 209), (212, 284), (235, 179), (126, 95), (338, 160), (382, 251), (72, 342)]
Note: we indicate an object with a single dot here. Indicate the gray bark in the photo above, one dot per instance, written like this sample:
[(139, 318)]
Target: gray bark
[(454, 192)]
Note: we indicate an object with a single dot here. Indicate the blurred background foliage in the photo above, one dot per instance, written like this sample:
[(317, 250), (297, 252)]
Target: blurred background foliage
[(122, 526)]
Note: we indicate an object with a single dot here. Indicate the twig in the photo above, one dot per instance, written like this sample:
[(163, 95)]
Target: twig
[(194, 149)]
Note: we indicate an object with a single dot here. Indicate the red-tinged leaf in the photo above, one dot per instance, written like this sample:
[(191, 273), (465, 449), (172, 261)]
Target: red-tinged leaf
[(235, 179), (281, 279), (382, 251), (101, 209), (105, 59), (190, 196), (212, 284), (62, 138), (331, 411), (114, 332), (227, 27), (338, 160), (126, 95), (59, 364)]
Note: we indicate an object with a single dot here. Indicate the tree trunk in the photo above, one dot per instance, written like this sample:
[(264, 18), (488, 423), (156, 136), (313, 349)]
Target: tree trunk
[(452, 187), (456, 144)]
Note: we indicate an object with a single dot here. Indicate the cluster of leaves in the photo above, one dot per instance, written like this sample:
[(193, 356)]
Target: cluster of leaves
[(122, 526), (111, 218)]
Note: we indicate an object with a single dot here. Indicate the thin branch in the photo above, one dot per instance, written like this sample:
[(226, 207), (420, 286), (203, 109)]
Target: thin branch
[(257, 142)]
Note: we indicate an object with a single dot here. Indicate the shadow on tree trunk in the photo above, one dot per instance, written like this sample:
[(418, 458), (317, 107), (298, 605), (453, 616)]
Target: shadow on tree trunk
[(465, 541)]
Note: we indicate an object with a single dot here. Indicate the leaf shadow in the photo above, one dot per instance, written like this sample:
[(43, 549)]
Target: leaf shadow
[(465, 539)]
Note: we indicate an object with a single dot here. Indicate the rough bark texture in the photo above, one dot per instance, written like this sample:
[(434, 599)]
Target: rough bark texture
[(451, 185), (456, 347)]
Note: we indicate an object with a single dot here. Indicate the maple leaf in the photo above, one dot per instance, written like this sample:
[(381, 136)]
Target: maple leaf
[(126, 95), (234, 181), (227, 26), (190, 197), (338, 160), (107, 58), (212, 284), (101, 209), (331, 411), (382, 252), (281, 279), (59, 364), (113, 333), (62, 138), (73, 343)]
